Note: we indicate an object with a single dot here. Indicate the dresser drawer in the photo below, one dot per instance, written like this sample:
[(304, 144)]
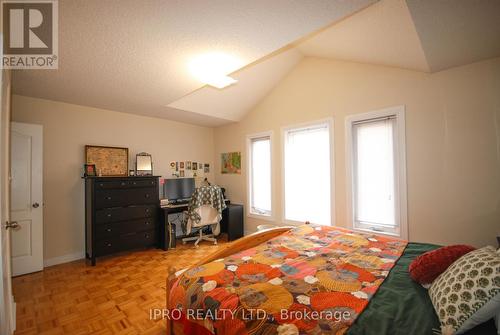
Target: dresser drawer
[(143, 183), (124, 242), (125, 197), (124, 214), (121, 184), (124, 227), (106, 185)]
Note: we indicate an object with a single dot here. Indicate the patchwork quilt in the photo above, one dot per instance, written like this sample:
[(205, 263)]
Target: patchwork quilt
[(310, 280)]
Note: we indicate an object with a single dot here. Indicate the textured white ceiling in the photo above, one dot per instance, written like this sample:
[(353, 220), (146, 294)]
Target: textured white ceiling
[(254, 82), (414, 34), (457, 32), (132, 56), (380, 34)]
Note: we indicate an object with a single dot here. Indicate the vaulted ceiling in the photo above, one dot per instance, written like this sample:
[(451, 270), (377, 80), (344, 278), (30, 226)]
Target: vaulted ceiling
[(132, 56)]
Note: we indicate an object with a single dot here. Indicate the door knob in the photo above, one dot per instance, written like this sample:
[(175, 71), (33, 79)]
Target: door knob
[(36, 205), (11, 224)]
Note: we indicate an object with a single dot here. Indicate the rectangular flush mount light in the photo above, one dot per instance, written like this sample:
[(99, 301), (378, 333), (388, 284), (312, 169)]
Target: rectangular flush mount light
[(213, 69)]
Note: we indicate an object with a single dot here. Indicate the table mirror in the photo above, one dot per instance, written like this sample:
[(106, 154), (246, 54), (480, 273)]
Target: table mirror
[(143, 164)]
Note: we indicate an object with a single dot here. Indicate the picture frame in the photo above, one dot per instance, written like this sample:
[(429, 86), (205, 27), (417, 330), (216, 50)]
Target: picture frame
[(89, 170), (110, 161), (195, 166), (231, 162)]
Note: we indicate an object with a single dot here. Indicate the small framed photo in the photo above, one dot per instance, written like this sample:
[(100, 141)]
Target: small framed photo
[(181, 165), (188, 165), (200, 166), (206, 168), (181, 173), (195, 166), (90, 170)]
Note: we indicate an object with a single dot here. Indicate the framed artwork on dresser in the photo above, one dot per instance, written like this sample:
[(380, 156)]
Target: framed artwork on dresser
[(109, 161)]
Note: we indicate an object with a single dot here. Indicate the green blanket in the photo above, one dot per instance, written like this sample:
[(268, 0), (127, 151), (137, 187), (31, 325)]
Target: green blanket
[(401, 306)]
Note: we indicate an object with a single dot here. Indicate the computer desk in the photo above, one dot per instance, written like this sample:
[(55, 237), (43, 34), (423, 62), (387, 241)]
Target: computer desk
[(231, 223)]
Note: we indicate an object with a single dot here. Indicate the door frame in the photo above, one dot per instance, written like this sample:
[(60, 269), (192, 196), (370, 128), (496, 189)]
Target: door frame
[(7, 306)]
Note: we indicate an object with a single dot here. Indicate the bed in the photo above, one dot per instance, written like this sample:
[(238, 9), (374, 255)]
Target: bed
[(273, 282)]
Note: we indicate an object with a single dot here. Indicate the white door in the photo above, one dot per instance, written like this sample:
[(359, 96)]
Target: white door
[(7, 305), (26, 198)]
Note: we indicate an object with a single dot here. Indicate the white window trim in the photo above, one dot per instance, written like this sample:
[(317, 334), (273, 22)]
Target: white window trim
[(250, 214), (401, 185), (330, 122)]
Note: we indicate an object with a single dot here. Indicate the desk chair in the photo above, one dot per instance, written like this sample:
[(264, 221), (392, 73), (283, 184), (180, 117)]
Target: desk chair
[(209, 216)]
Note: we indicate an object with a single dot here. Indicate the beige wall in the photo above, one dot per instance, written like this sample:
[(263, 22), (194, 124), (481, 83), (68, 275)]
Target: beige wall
[(67, 128), (452, 129)]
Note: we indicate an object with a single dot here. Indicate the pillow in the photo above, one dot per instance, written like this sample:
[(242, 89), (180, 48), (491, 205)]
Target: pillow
[(428, 266), (468, 292)]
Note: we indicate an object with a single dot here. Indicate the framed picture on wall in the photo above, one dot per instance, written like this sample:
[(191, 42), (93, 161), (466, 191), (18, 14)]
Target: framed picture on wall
[(231, 163), (109, 161)]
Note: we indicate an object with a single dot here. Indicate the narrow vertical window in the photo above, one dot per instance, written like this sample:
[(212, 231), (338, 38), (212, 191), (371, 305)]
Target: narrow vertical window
[(308, 171), (377, 170), (260, 185)]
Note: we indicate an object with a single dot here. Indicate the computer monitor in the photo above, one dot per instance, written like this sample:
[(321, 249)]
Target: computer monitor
[(178, 189)]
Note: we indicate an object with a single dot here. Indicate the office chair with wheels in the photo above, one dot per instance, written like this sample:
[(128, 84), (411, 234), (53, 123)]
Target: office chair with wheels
[(208, 217)]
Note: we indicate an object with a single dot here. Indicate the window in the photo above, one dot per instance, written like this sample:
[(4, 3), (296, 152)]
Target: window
[(308, 173), (378, 190), (260, 184)]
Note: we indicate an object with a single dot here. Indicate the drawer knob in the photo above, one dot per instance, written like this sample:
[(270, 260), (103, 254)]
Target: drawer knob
[(109, 215), (147, 222), (146, 235), (109, 229), (108, 198), (147, 195), (123, 183), (147, 210), (108, 245)]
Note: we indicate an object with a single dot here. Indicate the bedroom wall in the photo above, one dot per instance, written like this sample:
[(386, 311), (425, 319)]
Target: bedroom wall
[(453, 140), (67, 129)]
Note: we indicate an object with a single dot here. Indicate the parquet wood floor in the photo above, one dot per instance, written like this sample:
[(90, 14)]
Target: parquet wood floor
[(114, 297)]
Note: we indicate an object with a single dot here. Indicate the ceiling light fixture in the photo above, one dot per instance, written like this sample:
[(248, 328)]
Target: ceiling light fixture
[(213, 69)]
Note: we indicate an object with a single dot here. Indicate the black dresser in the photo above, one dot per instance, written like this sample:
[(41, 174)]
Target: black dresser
[(121, 213)]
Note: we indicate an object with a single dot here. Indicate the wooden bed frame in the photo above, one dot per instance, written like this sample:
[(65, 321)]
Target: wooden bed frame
[(243, 243)]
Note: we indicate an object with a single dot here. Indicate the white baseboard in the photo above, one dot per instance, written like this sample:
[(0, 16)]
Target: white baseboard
[(13, 316), (63, 259)]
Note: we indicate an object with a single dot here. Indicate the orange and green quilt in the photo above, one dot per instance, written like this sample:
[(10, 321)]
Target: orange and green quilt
[(310, 280)]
